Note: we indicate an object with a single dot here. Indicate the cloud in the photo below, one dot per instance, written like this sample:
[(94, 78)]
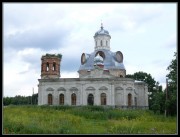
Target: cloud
[(30, 15), (16, 83), (131, 17), (158, 70), (45, 39), (171, 42), (23, 72), (68, 74)]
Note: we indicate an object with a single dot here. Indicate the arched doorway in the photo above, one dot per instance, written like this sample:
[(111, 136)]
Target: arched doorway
[(73, 99), (121, 76), (61, 99), (103, 99), (129, 100), (49, 99), (90, 99)]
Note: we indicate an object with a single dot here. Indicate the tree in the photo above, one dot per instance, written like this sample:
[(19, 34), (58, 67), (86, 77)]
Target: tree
[(158, 102), (171, 102), (35, 99), (21, 100), (143, 76), (7, 101)]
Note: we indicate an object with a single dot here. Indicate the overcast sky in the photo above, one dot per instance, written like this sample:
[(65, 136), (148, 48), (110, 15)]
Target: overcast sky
[(146, 34)]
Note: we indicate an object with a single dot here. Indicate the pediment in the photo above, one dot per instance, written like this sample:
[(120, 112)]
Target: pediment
[(103, 88), (61, 89), (49, 89), (73, 89), (90, 88), (129, 88), (118, 88)]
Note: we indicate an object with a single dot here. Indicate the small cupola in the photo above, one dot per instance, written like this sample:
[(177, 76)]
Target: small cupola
[(98, 61), (102, 39)]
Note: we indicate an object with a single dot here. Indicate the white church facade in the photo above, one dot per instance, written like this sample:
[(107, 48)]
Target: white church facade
[(101, 80)]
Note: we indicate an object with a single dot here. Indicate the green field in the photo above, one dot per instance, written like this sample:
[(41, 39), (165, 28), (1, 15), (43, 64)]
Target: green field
[(84, 120)]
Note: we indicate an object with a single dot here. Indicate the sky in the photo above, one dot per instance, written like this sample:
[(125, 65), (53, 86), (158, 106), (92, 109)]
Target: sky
[(146, 34)]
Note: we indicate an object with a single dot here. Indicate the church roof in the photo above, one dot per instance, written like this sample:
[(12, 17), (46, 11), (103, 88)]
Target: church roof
[(109, 61), (102, 31)]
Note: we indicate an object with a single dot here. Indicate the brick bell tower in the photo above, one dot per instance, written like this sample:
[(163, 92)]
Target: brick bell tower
[(50, 66)]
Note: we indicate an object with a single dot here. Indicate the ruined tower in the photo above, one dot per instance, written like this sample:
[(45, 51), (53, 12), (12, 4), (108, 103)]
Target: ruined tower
[(50, 66)]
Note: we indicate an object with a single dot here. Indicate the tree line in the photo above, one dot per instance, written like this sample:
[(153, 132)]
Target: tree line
[(21, 100), (160, 101)]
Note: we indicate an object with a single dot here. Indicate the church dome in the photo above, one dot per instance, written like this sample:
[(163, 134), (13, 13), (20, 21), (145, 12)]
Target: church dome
[(101, 32), (109, 59)]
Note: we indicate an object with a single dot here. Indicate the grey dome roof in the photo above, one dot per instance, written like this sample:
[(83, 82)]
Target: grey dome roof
[(101, 32), (109, 61)]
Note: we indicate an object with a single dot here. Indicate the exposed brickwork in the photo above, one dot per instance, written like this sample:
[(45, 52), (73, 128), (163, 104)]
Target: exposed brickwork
[(50, 66)]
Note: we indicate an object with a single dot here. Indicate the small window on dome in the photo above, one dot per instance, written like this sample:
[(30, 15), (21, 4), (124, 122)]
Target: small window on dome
[(101, 42), (106, 43)]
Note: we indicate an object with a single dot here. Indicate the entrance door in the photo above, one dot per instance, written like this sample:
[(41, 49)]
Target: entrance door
[(73, 99), (49, 99), (129, 100), (103, 99), (90, 99)]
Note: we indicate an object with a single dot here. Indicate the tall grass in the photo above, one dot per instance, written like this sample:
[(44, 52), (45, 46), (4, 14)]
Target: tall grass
[(84, 120)]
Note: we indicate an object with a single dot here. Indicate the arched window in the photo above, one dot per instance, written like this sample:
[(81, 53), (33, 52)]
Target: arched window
[(49, 99), (61, 99), (47, 66), (90, 99), (106, 43), (121, 76), (101, 43), (73, 99), (54, 66), (96, 43), (129, 100), (103, 99)]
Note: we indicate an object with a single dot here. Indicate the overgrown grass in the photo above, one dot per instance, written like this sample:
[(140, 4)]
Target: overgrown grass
[(84, 120)]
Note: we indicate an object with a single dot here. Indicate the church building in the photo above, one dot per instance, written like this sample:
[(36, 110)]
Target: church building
[(101, 80)]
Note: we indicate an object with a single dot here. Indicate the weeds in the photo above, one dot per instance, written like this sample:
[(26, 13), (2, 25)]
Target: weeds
[(84, 120)]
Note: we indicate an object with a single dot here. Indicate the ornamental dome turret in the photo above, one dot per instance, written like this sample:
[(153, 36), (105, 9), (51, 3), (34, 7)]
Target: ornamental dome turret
[(102, 39)]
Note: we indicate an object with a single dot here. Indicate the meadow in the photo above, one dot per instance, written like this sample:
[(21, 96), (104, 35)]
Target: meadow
[(84, 120)]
